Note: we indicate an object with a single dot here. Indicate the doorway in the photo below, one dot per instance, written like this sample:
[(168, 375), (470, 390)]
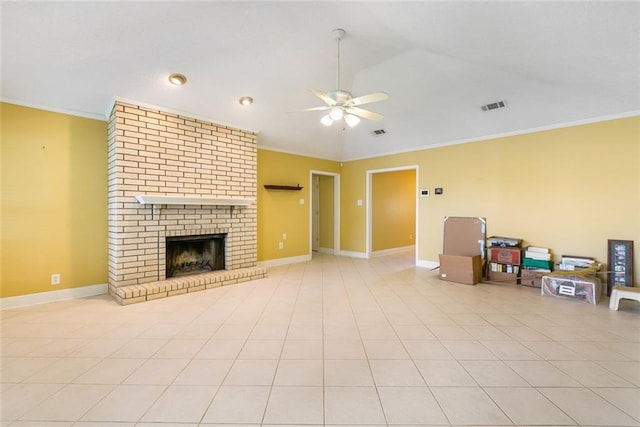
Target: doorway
[(324, 213), (392, 210)]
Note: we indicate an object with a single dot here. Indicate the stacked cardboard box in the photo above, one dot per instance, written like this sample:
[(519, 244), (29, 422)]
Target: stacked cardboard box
[(536, 263), (505, 257), (462, 257)]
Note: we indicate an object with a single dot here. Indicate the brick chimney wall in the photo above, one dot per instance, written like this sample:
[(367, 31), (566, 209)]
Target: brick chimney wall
[(159, 153)]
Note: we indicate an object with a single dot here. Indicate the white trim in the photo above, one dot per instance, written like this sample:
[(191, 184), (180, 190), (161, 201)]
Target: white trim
[(427, 264), (336, 209), (390, 251), (354, 254), (276, 262), (52, 296), (369, 207)]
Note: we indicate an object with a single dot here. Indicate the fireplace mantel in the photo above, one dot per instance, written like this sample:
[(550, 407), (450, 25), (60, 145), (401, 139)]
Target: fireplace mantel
[(154, 199)]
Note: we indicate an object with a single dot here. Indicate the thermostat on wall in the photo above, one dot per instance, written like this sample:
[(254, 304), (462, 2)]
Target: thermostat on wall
[(424, 192), (438, 190)]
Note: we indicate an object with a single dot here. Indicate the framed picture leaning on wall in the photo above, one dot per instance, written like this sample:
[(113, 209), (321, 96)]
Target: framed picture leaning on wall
[(619, 264)]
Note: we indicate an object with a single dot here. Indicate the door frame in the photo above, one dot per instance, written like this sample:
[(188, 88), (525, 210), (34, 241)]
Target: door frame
[(369, 206), (336, 209)]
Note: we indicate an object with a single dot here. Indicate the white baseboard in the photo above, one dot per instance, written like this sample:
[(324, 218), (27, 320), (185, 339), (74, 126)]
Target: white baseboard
[(390, 251), (52, 296), (427, 264), (354, 254), (284, 261)]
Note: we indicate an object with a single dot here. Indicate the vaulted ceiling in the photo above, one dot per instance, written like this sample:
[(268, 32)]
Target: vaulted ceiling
[(552, 62)]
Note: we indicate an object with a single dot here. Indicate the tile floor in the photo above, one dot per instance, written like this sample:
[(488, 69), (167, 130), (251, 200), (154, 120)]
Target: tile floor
[(334, 341)]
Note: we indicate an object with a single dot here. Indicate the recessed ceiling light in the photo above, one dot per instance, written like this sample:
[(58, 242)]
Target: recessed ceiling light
[(177, 79), (246, 101)]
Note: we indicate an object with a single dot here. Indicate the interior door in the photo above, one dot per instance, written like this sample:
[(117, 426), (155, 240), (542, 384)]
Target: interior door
[(315, 214)]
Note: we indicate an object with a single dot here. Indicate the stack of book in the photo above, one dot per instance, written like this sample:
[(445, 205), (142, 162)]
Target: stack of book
[(536, 263), (537, 259)]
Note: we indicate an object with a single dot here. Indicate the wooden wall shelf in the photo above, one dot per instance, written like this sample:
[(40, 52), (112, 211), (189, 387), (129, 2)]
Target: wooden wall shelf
[(283, 187)]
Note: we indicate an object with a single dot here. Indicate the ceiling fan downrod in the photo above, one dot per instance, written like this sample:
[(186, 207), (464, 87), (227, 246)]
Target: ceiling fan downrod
[(337, 35)]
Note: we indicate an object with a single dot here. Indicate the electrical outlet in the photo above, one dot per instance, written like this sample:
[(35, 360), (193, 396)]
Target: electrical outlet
[(410, 236), (284, 236), (55, 279), (280, 245)]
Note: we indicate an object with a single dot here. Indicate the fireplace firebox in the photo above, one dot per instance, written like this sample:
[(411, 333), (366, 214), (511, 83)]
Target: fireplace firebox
[(188, 255)]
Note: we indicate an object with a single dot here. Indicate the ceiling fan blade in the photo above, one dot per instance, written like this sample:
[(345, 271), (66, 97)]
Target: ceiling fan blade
[(365, 114), (326, 107), (326, 98), (367, 99)]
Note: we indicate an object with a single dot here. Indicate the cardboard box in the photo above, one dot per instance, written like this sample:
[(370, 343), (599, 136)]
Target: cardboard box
[(503, 278), (531, 278), (505, 255), (461, 269)]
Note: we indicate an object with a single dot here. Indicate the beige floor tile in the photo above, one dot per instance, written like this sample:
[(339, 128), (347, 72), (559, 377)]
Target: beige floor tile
[(444, 373), (385, 349), (414, 332), (489, 373), (17, 369), (587, 408), (395, 373), (353, 405), (486, 332), (510, 350), (295, 405), (469, 350), (110, 371), (221, 348), (630, 371), (157, 371), (469, 406), (238, 404), (347, 373), (261, 349), (344, 349), (450, 332), (302, 349), (204, 372), (525, 406), (411, 406), (542, 374), (181, 404), (625, 399), (180, 349), (124, 403), (427, 349), (251, 372), (591, 374), (69, 403), (551, 350), (299, 373), (21, 398)]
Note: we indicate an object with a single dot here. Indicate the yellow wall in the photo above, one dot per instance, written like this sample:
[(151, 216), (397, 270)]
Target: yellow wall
[(569, 189), (326, 208), (393, 209), (54, 200), (280, 211)]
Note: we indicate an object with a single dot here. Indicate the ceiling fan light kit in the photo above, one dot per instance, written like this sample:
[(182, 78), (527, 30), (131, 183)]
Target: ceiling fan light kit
[(340, 103)]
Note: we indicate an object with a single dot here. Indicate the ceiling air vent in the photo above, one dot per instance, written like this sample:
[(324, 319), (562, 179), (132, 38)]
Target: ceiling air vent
[(379, 132), (494, 106)]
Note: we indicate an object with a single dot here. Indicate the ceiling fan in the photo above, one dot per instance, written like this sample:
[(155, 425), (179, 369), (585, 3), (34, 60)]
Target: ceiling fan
[(341, 104)]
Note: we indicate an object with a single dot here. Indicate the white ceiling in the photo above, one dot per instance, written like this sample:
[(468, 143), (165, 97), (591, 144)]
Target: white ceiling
[(552, 62)]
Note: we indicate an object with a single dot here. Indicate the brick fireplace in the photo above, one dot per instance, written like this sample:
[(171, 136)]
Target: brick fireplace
[(174, 177)]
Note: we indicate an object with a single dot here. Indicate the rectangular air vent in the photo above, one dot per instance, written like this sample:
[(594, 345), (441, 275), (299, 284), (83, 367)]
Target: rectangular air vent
[(379, 132), (494, 106)]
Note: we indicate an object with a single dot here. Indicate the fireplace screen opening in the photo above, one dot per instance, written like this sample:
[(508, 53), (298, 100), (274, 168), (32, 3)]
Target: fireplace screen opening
[(187, 255)]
